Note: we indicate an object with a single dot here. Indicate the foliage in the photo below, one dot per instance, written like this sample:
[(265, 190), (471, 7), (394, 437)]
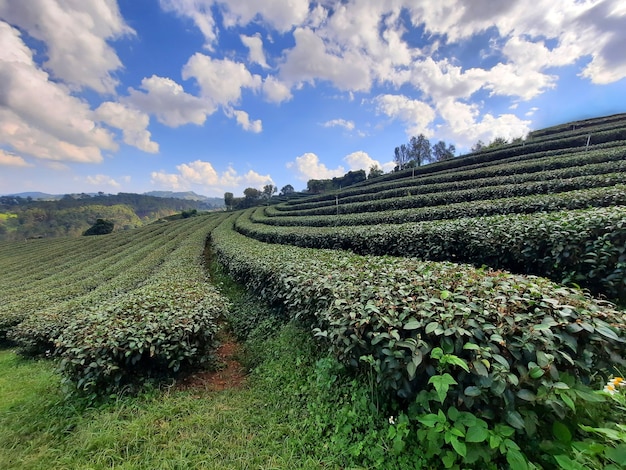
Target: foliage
[(585, 247), (486, 341), (153, 332), (100, 227)]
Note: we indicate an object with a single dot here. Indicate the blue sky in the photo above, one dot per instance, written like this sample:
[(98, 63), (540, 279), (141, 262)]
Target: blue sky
[(214, 96)]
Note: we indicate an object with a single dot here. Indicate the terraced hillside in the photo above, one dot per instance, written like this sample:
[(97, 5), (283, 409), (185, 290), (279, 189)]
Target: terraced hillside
[(557, 213), (443, 338), (116, 308), (450, 289)]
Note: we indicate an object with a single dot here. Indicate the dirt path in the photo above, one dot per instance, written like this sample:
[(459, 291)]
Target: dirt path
[(231, 375)]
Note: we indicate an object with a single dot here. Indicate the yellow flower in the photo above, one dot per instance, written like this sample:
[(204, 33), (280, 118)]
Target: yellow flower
[(611, 385)]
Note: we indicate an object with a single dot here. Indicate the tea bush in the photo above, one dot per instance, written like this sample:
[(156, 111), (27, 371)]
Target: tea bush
[(580, 199), (586, 247), (153, 332), (516, 351)]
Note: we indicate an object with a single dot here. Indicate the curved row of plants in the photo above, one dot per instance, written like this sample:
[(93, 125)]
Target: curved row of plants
[(437, 198), (598, 197), (586, 247), (522, 150), (519, 166), (584, 124), (465, 182), (515, 352), (150, 315)]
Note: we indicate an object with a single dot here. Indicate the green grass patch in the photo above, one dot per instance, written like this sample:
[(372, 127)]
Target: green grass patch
[(7, 215)]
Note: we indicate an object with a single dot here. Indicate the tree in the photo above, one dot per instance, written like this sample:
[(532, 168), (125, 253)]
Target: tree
[(375, 172), (478, 146), (101, 227), (497, 142), (401, 156), (442, 152), (419, 150), (228, 200), (269, 190), (287, 190)]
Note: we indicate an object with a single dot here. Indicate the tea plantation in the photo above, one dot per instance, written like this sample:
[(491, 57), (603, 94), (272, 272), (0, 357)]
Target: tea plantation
[(479, 299)]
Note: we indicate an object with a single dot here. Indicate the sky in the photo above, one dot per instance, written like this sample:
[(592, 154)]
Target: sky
[(216, 96)]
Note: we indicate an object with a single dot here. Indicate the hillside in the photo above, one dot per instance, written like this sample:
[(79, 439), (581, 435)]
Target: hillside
[(71, 215), (468, 312)]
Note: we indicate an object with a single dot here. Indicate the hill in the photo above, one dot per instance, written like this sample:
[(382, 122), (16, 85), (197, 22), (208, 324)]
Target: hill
[(468, 313), (71, 215)]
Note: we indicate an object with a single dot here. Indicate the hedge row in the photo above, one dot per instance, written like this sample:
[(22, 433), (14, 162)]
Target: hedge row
[(527, 149), (542, 161), (517, 348), (584, 124), (598, 197), (514, 175), (466, 195), (585, 247)]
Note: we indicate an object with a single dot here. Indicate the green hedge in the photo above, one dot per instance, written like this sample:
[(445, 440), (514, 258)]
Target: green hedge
[(518, 349), (513, 175), (598, 197), (456, 196), (586, 247)]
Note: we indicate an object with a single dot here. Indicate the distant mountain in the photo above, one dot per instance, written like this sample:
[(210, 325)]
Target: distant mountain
[(38, 196), (190, 195)]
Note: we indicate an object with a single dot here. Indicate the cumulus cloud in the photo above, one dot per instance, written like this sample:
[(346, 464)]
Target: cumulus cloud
[(168, 101), (243, 119), (348, 125), (199, 11), (76, 35), (360, 160), (202, 175), (132, 122), (221, 80), (308, 166), (40, 117), (465, 125), (416, 114), (310, 61), (102, 181), (275, 91), (255, 47)]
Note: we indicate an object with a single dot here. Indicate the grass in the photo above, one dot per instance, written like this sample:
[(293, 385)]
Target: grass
[(233, 429)]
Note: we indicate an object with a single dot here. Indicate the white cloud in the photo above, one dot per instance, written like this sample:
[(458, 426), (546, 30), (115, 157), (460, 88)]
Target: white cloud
[(279, 14), (416, 114), (244, 121), (310, 60), (221, 80), (275, 91), (199, 11), (168, 101), (308, 166), (360, 160), (255, 47), (102, 181), (40, 117), (132, 122), (348, 125), (202, 174), (10, 159), (76, 34), (465, 126)]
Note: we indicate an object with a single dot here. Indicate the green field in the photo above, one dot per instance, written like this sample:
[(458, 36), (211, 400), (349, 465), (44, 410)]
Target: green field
[(465, 314)]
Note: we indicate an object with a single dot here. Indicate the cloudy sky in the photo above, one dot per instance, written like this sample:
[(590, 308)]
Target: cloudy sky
[(220, 95)]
